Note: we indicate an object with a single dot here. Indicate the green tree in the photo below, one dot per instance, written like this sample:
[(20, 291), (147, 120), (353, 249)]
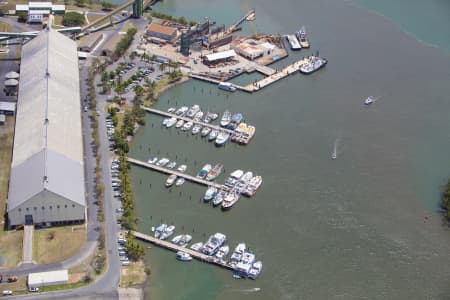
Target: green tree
[(182, 20), (22, 16), (107, 5), (80, 3), (73, 19)]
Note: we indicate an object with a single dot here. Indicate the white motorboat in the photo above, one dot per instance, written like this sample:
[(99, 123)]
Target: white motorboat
[(226, 119), (162, 162), (172, 165), (197, 246), (369, 100), (205, 131), (198, 116), (177, 239), (227, 86), (237, 253), (182, 111), (213, 244), (164, 122), (160, 230), (243, 267), (167, 232), (179, 123), (210, 194), (237, 174), (183, 256), (247, 177), (196, 129), (185, 240), (192, 111), (223, 252), (152, 160), (219, 198), (182, 168), (180, 181), (171, 110), (213, 135), (171, 180), (187, 126), (222, 138), (255, 270)]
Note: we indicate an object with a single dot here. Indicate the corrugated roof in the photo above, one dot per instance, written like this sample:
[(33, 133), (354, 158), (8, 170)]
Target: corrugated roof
[(39, 4), (220, 55), (21, 7), (90, 40), (45, 278), (11, 106), (48, 144), (153, 27)]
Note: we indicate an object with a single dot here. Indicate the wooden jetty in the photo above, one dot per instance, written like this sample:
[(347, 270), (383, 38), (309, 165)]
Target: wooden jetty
[(212, 80), (179, 174), (175, 248), (186, 119), (238, 22)]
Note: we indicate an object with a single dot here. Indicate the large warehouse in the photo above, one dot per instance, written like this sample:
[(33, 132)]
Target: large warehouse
[(47, 172)]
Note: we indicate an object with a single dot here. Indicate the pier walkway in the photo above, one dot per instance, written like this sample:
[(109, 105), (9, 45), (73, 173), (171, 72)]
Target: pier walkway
[(186, 119), (212, 80), (238, 22), (262, 69), (179, 174), (173, 247)]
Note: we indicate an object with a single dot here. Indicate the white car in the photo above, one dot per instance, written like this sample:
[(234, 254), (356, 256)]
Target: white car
[(33, 289), (7, 293)]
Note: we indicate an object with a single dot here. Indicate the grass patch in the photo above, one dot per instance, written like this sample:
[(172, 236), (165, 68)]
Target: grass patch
[(5, 27), (133, 274), (20, 284), (57, 21), (11, 247), (57, 243), (63, 286)]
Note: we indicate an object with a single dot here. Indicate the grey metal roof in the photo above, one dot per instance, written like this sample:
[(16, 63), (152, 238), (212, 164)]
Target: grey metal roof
[(48, 145), (12, 75), (11, 82), (11, 106)]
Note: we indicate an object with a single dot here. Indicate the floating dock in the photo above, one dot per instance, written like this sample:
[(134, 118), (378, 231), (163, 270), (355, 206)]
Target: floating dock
[(175, 172), (175, 248)]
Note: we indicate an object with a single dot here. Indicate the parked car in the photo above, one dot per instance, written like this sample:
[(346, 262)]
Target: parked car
[(7, 293), (33, 289)]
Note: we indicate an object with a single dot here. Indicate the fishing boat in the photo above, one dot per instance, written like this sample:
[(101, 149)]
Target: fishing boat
[(192, 111), (223, 252), (226, 119), (302, 38), (182, 168), (226, 86), (204, 171), (213, 135), (196, 129), (187, 126), (219, 198), (295, 45), (180, 181), (369, 100), (171, 180), (222, 138), (172, 165), (152, 160), (183, 256), (179, 123), (255, 270), (210, 194), (215, 172), (160, 230), (197, 246), (312, 64), (205, 131), (230, 200)]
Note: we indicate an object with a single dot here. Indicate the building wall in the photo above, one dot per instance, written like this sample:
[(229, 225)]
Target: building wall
[(47, 207), (162, 35)]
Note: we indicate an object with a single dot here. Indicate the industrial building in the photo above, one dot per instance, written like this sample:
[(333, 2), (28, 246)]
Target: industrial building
[(161, 34), (110, 46), (47, 184), (219, 57), (7, 108), (88, 43), (36, 11), (36, 280), (2, 119), (252, 49)]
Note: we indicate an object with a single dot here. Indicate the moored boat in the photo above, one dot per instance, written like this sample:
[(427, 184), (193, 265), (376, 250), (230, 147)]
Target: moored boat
[(219, 197), (213, 244), (223, 252), (171, 110), (170, 180), (181, 111), (162, 162), (243, 267), (236, 256), (222, 138), (210, 194), (172, 165), (185, 240), (226, 119), (196, 129), (179, 123), (152, 160), (171, 122), (230, 200), (177, 239), (255, 270), (198, 116), (182, 168), (213, 135), (205, 131), (167, 232), (192, 111), (160, 230), (197, 246), (187, 125), (180, 181), (302, 37), (312, 64), (227, 86), (183, 256), (215, 172), (204, 171)]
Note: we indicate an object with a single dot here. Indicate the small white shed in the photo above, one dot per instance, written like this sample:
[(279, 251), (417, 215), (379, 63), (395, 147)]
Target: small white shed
[(48, 278)]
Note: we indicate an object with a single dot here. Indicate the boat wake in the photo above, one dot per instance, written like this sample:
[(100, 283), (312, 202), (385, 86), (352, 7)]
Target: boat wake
[(335, 148), (252, 290)]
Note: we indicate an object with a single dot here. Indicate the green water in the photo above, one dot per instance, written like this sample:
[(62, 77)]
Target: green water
[(352, 228)]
